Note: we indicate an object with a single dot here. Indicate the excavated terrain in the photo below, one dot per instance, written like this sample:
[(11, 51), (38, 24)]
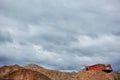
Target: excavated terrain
[(16, 72), (35, 72), (26, 74)]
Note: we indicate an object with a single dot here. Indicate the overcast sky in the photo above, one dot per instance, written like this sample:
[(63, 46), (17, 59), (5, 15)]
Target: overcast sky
[(60, 34)]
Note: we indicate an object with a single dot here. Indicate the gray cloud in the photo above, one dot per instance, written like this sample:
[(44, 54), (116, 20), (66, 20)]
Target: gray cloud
[(60, 34), (5, 37)]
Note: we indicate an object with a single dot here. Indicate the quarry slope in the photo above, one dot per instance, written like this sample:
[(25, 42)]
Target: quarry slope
[(35, 72)]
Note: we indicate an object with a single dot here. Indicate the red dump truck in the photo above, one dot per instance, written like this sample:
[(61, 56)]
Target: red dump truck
[(99, 67)]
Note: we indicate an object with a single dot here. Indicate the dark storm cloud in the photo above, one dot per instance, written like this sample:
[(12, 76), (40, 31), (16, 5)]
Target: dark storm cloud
[(3, 58), (5, 37), (62, 34), (6, 60)]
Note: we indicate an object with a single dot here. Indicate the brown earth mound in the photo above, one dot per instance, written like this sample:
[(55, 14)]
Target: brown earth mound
[(81, 75), (26, 74), (94, 75), (53, 74), (4, 70), (35, 72)]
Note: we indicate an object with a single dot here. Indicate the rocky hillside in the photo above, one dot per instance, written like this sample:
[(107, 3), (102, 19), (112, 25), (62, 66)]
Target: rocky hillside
[(16, 72), (81, 75), (35, 72), (26, 74), (4, 70)]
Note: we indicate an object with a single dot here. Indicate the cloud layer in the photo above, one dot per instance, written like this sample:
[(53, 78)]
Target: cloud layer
[(62, 34)]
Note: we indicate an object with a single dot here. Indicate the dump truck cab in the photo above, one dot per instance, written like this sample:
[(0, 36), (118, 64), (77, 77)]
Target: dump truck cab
[(99, 67)]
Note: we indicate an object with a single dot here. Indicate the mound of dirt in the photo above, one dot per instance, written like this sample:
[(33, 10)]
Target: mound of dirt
[(35, 72), (4, 70), (81, 75), (26, 74), (94, 75)]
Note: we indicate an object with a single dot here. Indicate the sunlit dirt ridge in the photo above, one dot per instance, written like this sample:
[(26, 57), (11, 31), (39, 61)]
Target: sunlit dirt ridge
[(35, 72)]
